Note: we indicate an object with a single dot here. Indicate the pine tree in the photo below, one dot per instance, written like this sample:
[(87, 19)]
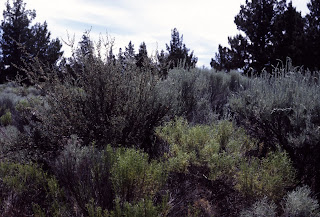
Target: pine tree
[(121, 58), (142, 56), (223, 59), (15, 29), (255, 19), (289, 35), (86, 45), (240, 52), (129, 52), (40, 46), (312, 55), (163, 63), (20, 41), (179, 53), (235, 57), (111, 59), (83, 53)]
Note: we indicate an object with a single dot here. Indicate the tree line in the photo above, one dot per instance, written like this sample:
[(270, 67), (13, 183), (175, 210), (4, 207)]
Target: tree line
[(20, 42), (271, 31)]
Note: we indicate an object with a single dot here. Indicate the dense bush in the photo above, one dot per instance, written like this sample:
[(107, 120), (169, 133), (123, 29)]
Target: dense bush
[(9, 138), (260, 208), (200, 95), (284, 109), (226, 150), (102, 180), (300, 202), (143, 208), (84, 172), (7, 109), (6, 119), (66, 120), (28, 190), (219, 146), (112, 104), (15, 103), (11, 95), (270, 176), (99, 101), (134, 178)]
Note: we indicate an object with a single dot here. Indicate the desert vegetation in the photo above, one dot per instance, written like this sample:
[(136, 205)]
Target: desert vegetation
[(103, 136), (125, 142)]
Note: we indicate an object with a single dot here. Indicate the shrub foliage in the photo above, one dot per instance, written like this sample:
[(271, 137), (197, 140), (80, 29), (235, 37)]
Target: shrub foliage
[(28, 190), (115, 136), (284, 109), (224, 149)]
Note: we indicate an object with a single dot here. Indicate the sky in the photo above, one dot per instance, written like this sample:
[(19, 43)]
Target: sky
[(204, 24)]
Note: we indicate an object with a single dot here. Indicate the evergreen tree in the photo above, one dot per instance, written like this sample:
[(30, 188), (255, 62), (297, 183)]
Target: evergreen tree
[(15, 29), (240, 53), (256, 19), (163, 63), (179, 53), (84, 52), (111, 57), (1, 57), (86, 45), (142, 56), (312, 55), (121, 58), (20, 41), (223, 59), (235, 57), (129, 52), (40, 46), (289, 35)]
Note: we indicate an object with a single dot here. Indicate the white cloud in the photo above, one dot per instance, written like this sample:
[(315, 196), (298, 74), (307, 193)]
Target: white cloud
[(203, 23)]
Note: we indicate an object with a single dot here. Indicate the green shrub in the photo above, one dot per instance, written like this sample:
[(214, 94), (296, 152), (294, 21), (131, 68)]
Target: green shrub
[(96, 211), (277, 174), (26, 189), (219, 147), (143, 208), (94, 178), (22, 105), (188, 145), (269, 176), (134, 178), (260, 208), (299, 202), (248, 177), (6, 119)]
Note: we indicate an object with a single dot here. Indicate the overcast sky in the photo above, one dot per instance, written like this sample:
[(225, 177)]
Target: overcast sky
[(204, 23)]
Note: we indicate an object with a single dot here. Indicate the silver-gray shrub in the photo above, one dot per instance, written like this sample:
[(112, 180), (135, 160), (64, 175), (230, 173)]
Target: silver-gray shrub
[(284, 109), (84, 172), (11, 94), (260, 208), (201, 95), (300, 202)]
